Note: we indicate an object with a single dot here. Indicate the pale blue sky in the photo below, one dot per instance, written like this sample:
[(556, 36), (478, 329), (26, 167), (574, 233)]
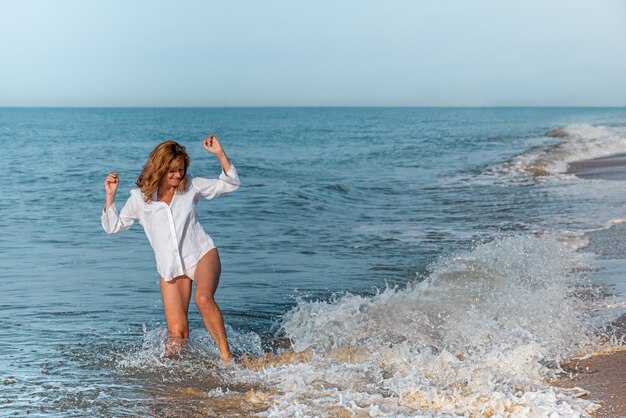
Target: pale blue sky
[(312, 53)]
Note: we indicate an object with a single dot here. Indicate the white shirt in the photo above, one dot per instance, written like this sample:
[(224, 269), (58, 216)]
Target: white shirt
[(176, 236)]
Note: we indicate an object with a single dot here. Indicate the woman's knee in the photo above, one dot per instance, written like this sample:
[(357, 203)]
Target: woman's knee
[(204, 301)]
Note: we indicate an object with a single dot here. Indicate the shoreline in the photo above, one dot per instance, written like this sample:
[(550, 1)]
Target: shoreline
[(604, 375), (612, 167)]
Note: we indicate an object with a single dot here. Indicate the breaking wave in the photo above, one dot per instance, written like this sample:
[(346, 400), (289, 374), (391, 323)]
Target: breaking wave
[(574, 143), (483, 334)]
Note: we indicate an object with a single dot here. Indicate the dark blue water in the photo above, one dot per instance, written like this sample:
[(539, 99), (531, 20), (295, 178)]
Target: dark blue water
[(332, 200)]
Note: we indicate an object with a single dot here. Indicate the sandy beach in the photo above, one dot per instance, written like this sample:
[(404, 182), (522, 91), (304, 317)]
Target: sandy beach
[(604, 375), (606, 168)]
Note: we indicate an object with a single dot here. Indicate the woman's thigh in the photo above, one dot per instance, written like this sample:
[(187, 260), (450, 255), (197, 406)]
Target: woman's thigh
[(176, 296), (207, 275)]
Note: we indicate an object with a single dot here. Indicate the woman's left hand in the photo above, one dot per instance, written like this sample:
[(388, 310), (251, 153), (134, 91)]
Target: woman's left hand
[(212, 145)]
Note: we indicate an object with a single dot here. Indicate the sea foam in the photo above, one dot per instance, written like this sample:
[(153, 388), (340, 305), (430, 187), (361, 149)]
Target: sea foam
[(573, 143), (482, 334)]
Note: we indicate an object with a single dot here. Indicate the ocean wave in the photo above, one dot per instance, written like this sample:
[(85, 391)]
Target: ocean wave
[(575, 143), (481, 335)]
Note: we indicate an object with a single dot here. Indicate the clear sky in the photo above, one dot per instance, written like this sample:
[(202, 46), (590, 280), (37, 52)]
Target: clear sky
[(312, 53)]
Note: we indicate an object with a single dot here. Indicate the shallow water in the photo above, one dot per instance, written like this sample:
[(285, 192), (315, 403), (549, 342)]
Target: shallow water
[(415, 254)]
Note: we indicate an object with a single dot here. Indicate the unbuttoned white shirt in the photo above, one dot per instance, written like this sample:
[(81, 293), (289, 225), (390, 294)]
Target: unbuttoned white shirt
[(173, 230)]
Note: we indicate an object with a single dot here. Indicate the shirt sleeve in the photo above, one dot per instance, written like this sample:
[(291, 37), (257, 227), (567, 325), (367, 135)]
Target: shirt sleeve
[(211, 188), (112, 222)]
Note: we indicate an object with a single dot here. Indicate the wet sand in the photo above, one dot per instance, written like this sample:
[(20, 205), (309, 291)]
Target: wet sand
[(604, 376), (606, 168)]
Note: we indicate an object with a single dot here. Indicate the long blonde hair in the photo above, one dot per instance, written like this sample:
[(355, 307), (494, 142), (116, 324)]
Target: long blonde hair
[(164, 156)]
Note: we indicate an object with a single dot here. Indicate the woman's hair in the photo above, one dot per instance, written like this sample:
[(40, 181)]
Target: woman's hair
[(165, 156)]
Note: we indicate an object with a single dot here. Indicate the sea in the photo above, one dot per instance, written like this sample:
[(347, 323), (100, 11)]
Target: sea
[(384, 262)]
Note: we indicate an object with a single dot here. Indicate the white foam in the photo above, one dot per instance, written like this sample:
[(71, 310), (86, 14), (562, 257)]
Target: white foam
[(481, 335), (199, 360), (575, 143)]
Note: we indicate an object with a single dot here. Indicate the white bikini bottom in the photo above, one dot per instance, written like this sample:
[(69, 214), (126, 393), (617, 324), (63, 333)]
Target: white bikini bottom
[(190, 272)]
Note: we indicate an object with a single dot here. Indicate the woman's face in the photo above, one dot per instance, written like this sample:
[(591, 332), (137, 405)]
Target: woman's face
[(174, 175)]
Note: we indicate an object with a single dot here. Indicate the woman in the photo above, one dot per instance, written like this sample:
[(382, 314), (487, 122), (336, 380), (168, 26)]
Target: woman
[(164, 203)]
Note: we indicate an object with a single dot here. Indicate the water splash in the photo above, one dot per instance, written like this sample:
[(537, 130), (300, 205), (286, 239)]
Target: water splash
[(482, 334)]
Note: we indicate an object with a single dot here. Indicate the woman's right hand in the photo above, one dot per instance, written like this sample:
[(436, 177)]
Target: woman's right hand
[(111, 183)]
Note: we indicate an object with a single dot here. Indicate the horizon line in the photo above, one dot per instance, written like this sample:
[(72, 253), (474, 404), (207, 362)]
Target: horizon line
[(316, 107)]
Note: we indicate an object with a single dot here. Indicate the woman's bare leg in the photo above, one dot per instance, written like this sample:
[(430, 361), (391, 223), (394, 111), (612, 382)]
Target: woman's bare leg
[(176, 296), (207, 277)]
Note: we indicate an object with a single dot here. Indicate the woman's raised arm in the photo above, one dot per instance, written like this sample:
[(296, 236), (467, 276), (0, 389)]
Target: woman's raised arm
[(111, 183), (212, 145), (112, 222), (228, 180)]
